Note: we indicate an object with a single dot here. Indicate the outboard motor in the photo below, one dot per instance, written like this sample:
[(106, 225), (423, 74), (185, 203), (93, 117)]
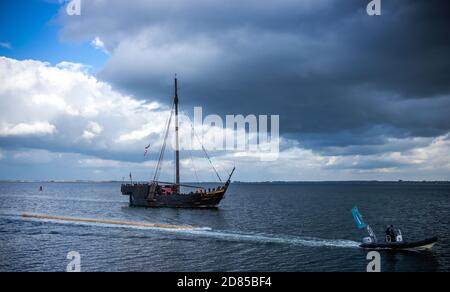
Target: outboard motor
[(372, 238), (368, 240)]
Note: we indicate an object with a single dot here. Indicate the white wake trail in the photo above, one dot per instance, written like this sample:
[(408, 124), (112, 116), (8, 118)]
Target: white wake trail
[(207, 232)]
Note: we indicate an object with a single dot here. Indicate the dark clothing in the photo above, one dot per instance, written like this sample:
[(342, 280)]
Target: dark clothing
[(393, 235), (391, 232), (388, 233)]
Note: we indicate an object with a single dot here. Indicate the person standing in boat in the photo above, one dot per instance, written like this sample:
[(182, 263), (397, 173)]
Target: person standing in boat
[(387, 233), (390, 234), (393, 234)]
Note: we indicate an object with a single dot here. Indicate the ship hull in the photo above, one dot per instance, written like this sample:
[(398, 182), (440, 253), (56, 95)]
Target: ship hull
[(141, 196)]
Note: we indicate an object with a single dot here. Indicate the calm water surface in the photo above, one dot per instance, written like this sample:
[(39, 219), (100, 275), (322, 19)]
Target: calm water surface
[(258, 227)]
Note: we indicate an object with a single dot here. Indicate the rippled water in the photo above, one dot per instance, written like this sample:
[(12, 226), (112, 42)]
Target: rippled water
[(258, 227)]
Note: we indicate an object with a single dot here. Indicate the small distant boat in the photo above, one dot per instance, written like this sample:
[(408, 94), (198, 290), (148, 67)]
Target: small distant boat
[(170, 195), (392, 241)]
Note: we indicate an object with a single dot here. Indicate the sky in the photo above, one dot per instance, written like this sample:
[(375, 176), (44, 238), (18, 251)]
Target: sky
[(359, 97)]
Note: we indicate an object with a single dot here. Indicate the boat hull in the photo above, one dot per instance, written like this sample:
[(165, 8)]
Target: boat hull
[(423, 245), (141, 196)]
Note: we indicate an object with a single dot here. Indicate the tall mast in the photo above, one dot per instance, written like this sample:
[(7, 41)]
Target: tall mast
[(177, 143)]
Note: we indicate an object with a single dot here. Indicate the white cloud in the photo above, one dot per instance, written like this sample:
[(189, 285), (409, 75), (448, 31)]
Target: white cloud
[(74, 67), (138, 135), (99, 45), (99, 163), (24, 129), (6, 45), (34, 156), (73, 107), (92, 131)]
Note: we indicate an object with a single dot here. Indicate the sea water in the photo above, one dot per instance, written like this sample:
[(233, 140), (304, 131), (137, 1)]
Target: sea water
[(258, 227)]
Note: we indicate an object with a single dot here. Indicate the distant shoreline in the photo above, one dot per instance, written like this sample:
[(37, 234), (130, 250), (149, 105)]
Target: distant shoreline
[(242, 182)]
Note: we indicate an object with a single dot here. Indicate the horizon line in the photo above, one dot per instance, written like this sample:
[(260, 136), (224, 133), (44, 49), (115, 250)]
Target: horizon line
[(236, 182)]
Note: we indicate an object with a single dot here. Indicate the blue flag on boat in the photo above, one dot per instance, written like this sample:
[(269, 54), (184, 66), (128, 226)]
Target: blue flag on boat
[(358, 218)]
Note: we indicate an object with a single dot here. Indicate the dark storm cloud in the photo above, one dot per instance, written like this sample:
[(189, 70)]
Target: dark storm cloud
[(336, 76)]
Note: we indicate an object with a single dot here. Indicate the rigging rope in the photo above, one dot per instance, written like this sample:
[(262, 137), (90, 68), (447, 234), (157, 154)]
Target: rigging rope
[(192, 160), (193, 165), (206, 153), (163, 147)]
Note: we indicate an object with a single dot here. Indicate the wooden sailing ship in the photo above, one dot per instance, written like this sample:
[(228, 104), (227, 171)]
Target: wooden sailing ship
[(162, 194)]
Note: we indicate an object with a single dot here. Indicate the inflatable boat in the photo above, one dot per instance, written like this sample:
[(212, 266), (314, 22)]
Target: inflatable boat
[(393, 239), (422, 245)]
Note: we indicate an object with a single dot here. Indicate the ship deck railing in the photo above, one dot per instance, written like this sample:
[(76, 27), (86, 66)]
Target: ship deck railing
[(161, 183)]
